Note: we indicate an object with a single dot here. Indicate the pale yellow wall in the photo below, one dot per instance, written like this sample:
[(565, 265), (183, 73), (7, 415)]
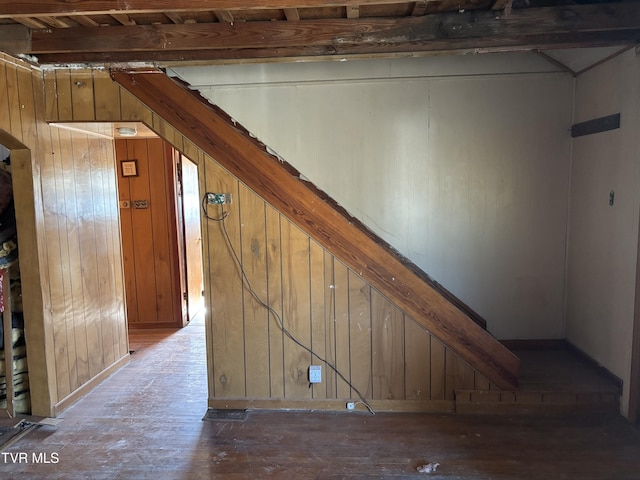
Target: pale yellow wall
[(461, 163), (603, 239)]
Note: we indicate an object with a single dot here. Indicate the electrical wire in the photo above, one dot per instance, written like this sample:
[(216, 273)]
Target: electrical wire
[(206, 213), (272, 311)]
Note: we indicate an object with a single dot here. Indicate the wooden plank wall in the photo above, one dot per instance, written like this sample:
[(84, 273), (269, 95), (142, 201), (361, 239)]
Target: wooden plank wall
[(149, 235), (69, 240), (392, 360)]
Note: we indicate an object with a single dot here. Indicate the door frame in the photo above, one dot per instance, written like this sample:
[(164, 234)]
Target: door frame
[(634, 379)]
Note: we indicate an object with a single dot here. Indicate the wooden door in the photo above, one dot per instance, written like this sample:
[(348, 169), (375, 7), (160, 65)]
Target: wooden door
[(149, 234), (192, 236)]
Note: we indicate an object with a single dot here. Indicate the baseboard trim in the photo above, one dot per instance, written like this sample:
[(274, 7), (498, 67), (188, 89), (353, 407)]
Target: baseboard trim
[(414, 406), (603, 370), (535, 344), (158, 325), (80, 392)]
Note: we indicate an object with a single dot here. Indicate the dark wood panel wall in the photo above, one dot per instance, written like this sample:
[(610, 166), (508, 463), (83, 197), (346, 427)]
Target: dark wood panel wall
[(391, 359), (69, 241), (149, 234)]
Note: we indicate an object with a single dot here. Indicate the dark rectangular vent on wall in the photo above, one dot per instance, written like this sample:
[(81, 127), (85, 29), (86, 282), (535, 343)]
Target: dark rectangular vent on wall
[(597, 125)]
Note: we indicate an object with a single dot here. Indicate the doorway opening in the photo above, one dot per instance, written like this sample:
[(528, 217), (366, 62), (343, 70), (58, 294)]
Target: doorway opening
[(159, 210), (161, 241)]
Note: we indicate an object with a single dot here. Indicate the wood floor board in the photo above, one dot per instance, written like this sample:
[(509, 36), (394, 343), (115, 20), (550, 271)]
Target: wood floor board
[(145, 422)]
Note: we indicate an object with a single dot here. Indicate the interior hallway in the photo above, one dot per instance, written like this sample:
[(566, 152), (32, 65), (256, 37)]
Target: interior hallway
[(146, 422)]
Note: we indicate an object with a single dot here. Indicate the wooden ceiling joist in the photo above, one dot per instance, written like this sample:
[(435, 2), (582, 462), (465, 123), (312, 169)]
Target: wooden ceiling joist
[(35, 8), (223, 16), (226, 56), (30, 22), (174, 17), (575, 26), (85, 21), (123, 19)]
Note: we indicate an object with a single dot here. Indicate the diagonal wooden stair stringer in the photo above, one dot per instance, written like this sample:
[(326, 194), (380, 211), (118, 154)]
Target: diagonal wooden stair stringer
[(278, 183)]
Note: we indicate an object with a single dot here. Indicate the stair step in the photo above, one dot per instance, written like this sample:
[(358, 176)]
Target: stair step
[(535, 402)]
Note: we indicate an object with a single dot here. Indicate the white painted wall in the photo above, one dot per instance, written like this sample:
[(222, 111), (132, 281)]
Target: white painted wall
[(461, 163), (603, 239)]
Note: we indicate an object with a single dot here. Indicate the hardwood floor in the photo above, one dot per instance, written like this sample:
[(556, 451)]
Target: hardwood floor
[(145, 422)]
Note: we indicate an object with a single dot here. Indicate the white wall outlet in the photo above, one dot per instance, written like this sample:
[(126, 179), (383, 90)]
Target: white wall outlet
[(351, 406), (315, 374)]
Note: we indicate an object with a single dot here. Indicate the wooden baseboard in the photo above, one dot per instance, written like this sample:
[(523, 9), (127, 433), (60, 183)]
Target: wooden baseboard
[(535, 409), (158, 325), (333, 405), (534, 402), (603, 370), (535, 344), (76, 395)]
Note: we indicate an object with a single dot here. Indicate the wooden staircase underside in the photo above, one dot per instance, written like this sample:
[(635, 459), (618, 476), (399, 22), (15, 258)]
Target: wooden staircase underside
[(318, 216)]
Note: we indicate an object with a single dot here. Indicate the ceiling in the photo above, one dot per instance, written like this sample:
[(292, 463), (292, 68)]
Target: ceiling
[(230, 31)]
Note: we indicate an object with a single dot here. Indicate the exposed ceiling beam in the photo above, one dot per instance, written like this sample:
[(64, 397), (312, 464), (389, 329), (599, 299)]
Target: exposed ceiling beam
[(14, 37), (174, 17), (31, 23), (85, 21), (90, 7), (56, 22), (123, 19), (329, 52), (458, 30)]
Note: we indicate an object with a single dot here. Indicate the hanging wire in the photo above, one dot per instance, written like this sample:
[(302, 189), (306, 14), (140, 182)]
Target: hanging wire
[(271, 310)]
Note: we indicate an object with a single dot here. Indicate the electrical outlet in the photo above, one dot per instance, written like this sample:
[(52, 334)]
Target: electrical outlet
[(315, 374), (218, 198), (351, 406)]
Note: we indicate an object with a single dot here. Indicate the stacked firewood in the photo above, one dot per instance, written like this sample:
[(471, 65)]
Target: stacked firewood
[(9, 267), (21, 400)]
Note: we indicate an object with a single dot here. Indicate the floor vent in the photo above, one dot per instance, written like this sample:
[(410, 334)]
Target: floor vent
[(223, 414)]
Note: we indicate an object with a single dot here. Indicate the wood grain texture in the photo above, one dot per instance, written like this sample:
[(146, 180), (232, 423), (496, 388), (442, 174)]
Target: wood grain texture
[(360, 334), (86, 7), (340, 234), (417, 363), (274, 278), (256, 317), (226, 291), (477, 28), (296, 315), (318, 286), (149, 237), (64, 234), (342, 330), (388, 349)]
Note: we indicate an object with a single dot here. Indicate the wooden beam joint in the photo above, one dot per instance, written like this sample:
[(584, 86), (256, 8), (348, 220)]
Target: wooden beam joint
[(15, 39)]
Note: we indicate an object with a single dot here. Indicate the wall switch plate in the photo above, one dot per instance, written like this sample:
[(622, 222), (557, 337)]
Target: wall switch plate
[(315, 374)]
